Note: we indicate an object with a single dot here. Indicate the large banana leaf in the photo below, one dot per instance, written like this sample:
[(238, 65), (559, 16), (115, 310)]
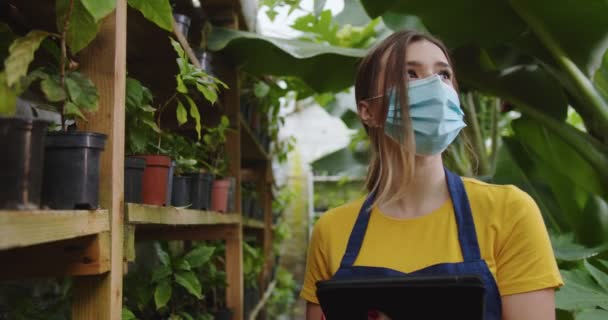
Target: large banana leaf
[(322, 67), (570, 35), (534, 92)]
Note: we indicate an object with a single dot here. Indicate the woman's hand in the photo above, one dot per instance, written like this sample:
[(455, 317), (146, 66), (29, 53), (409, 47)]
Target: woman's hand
[(535, 305), (313, 311)]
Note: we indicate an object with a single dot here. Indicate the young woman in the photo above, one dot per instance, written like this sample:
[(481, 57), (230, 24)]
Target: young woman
[(419, 218)]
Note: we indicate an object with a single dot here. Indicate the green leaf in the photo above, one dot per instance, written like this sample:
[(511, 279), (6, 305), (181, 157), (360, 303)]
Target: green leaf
[(157, 11), (181, 87), (185, 315), (82, 28), (161, 272), (189, 281), (127, 314), (593, 222), (209, 93), (162, 255), (199, 256), (182, 265), (52, 89), (600, 276), (196, 116), (70, 109), (180, 52), (261, 89), (580, 292), (592, 314), (181, 113), (260, 55), (162, 294), (8, 97), (98, 9), (566, 249), (152, 125), (82, 91), (21, 54)]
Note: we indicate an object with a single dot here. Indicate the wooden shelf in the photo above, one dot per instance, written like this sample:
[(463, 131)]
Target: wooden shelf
[(141, 214), (251, 147), (253, 223), (27, 228)]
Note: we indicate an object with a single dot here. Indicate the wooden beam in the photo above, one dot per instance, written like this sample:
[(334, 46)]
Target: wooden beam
[(104, 61), (27, 228), (234, 273), (195, 233), (88, 255), (146, 214)]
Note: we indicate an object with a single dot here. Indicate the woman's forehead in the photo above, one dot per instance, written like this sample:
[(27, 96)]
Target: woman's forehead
[(421, 52)]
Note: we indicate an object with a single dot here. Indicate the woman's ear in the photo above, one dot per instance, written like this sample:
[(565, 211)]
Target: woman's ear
[(366, 114)]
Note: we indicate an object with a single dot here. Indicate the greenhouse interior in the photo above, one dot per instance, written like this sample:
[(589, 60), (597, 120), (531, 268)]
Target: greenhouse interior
[(251, 160)]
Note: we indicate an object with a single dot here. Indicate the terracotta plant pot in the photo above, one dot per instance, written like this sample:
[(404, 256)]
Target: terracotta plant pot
[(155, 180), (219, 195)]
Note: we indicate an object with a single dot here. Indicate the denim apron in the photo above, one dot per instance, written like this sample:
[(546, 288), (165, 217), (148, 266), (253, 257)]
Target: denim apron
[(472, 264)]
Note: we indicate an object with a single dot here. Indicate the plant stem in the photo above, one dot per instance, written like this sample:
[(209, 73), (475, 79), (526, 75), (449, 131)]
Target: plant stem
[(476, 134), (63, 58), (160, 112), (494, 132)]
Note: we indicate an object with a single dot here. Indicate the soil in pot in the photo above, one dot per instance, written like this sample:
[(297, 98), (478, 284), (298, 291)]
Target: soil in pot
[(22, 141), (155, 180), (222, 314), (181, 191), (219, 195), (200, 191), (134, 173), (71, 170)]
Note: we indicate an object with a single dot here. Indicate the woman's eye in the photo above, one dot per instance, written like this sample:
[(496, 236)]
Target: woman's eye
[(445, 75), (412, 74)]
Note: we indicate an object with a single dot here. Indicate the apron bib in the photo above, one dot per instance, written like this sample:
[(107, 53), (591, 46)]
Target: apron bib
[(467, 236)]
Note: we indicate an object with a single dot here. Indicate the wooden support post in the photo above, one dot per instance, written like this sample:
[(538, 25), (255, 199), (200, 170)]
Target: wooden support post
[(234, 273), (104, 61)]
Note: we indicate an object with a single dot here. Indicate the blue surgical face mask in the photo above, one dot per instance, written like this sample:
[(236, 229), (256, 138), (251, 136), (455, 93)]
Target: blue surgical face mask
[(435, 113)]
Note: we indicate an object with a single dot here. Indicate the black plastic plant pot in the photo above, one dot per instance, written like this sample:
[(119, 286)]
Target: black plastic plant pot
[(205, 58), (183, 23), (200, 191), (169, 195), (223, 314), (71, 170), (134, 174), (22, 145), (180, 196)]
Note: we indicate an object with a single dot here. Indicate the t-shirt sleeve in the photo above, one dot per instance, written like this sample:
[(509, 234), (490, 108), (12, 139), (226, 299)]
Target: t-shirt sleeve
[(524, 257), (317, 266)]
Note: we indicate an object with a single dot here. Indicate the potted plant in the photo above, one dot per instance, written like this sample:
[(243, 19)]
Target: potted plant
[(184, 152), (21, 139), (215, 161), (253, 264), (213, 281), (142, 138)]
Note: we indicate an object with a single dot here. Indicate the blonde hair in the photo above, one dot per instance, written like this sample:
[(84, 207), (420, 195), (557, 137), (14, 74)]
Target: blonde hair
[(391, 168)]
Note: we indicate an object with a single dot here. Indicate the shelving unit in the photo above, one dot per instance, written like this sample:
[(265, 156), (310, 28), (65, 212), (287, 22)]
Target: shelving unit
[(94, 246)]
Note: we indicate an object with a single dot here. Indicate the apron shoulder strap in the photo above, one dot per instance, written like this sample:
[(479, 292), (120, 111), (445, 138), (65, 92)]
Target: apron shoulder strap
[(355, 240), (464, 218)]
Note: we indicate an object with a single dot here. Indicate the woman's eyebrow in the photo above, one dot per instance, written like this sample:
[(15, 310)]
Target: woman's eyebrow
[(414, 63)]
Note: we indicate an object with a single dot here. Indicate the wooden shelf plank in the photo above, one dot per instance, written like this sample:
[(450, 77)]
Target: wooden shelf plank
[(253, 223), (26, 228), (251, 147), (146, 214)]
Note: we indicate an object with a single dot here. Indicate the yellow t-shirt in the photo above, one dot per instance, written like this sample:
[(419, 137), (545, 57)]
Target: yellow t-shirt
[(511, 234)]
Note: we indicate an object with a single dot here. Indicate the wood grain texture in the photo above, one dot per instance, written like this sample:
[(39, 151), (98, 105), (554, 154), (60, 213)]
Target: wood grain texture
[(234, 274), (147, 214), (87, 255), (104, 61), (26, 228)]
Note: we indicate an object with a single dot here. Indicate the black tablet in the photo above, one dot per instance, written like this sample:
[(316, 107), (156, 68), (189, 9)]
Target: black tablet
[(410, 297)]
